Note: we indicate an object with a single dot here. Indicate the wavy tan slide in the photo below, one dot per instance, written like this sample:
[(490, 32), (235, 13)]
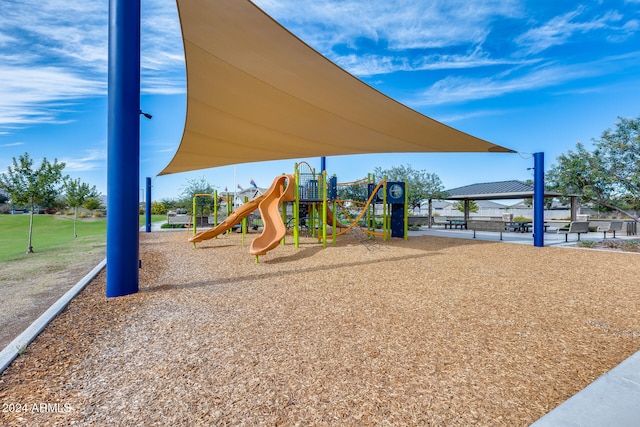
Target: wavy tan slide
[(233, 219), (273, 230)]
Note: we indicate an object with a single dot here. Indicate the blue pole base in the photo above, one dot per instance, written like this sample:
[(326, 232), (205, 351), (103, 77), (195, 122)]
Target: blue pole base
[(538, 199)]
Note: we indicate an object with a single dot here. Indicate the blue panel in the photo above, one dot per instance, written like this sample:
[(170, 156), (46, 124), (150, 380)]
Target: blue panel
[(397, 221), (395, 193)]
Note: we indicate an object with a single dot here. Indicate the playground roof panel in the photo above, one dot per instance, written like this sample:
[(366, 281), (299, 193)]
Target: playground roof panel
[(495, 191), (256, 92)]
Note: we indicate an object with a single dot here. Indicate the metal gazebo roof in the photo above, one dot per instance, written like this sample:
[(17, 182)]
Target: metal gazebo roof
[(495, 190)]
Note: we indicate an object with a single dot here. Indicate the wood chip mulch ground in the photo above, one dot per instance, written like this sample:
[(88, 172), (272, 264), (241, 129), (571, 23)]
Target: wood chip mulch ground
[(429, 331)]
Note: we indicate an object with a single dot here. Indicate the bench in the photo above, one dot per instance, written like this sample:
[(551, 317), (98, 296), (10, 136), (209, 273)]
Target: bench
[(179, 219), (612, 226), (436, 220), (577, 227), (486, 226)]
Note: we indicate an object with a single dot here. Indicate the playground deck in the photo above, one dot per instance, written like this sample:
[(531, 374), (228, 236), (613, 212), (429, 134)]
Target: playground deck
[(430, 330)]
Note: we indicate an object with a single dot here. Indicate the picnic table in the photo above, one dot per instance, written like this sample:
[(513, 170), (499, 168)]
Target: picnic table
[(519, 226), (455, 223)]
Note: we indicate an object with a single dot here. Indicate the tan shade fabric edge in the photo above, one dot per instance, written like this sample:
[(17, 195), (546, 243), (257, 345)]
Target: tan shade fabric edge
[(255, 92)]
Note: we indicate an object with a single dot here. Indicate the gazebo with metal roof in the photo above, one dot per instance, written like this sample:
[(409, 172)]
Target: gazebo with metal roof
[(499, 190)]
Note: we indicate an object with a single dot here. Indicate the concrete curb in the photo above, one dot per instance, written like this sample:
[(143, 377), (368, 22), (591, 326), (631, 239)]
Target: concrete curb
[(18, 345)]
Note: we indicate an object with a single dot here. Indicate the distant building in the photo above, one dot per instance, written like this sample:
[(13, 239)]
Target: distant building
[(238, 197)]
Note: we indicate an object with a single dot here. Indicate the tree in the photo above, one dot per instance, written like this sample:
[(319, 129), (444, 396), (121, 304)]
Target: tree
[(76, 194), (473, 206), (30, 187), (608, 177), (92, 204), (172, 204), (357, 191), (583, 174), (158, 208), (422, 184), (548, 201), (198, 186), (620, 151)]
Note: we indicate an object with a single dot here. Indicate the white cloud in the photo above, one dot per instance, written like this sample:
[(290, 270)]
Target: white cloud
[(162, 54), (92, 160), (403, 24), (58, 31), (370, 64), (34, 95), (462, 89), (470, 115), (54, 51), (6, 39), (627, 30), (561, 29), (380, 37)]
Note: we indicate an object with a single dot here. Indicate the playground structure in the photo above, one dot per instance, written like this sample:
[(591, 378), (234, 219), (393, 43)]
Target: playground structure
[(268, 204), (314, 205), (318, 198)]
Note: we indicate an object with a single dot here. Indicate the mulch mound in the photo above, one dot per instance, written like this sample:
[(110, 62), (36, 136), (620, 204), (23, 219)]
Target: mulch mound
[(429, 331)]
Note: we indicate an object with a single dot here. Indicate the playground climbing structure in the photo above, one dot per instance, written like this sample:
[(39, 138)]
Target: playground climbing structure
[(316, 206)]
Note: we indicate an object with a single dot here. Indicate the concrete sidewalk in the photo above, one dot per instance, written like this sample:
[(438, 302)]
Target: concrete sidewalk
[(550, 238)]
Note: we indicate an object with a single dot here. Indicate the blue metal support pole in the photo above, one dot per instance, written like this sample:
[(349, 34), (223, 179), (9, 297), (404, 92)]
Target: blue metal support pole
[(123, 151), (538, 199), (148, 206), (323, 164)]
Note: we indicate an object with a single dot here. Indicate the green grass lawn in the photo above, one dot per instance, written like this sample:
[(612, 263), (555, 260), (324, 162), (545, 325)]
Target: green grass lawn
[(154, 218), (51, 233)]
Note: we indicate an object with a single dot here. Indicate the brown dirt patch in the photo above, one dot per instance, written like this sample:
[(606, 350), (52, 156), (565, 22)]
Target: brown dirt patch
[(426, 331), (28, 289)]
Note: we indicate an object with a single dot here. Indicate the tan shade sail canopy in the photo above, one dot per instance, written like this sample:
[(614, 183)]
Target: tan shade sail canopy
[(256, 92)]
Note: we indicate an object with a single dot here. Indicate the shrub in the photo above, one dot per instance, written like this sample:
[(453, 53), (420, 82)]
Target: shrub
[(158, 208), (633, 245), (166, 225), (586, 244)]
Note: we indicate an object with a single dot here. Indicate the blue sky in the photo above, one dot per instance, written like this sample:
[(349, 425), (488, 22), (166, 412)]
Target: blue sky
[(531, 75)]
